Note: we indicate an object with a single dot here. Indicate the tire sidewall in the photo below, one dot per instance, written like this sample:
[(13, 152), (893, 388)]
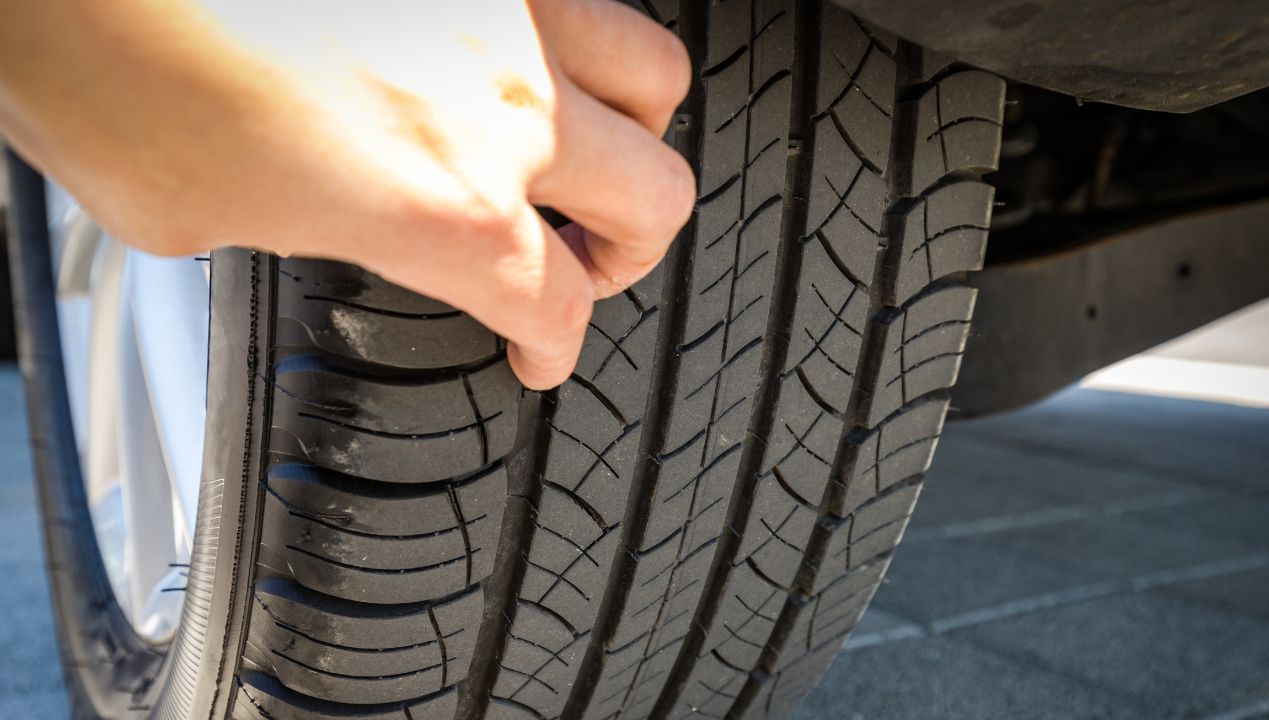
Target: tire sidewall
[(108, 670)]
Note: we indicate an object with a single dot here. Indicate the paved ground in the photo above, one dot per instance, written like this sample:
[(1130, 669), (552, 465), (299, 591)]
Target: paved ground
[(30, 676), (1102, 555)]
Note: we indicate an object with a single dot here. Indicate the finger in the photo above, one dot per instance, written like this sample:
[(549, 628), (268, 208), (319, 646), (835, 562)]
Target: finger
[(631, 191), (586, 245), (618, 55), (543, 352), (523, 283)]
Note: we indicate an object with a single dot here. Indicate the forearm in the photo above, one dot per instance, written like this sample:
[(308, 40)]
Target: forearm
[(101, 93)]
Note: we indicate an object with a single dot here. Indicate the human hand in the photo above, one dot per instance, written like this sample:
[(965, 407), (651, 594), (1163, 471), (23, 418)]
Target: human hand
[(412, 138)]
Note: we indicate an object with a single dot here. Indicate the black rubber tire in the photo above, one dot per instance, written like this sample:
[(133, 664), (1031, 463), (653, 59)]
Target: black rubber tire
[(8, 331), (692, 524), (109, 671)]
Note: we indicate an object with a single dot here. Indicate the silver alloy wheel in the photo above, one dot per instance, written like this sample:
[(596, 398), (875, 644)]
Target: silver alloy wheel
[(134, 345)]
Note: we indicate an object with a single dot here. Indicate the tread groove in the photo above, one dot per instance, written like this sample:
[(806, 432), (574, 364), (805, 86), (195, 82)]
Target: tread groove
[(793, 227), (524, 488), (664, 376)]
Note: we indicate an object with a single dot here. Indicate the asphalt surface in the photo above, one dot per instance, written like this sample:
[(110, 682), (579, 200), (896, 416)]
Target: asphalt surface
[(1101, 555)]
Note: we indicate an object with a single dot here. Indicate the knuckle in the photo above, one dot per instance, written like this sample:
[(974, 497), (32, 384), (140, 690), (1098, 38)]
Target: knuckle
[(623, 265), (532, 322), (555, 327), (518, 283), (634, 269), (673, 68), (550, 310), (575, 310), (679, 191), (667, 199), (493, 221)]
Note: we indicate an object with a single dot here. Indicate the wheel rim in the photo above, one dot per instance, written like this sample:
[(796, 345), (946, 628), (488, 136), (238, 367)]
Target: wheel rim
[(134, 338)]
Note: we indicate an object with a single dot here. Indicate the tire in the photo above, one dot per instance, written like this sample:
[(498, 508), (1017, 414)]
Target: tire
[(8, 333), (8, 336), (392, 528)]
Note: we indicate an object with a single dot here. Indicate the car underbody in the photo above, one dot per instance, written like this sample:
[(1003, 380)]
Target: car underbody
[(1129, 200)]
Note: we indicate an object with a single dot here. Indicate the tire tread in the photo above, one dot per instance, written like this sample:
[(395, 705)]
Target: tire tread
[(695, 520)]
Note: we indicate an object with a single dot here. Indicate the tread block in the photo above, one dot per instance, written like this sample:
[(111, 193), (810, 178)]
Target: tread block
[(371, 553), (781, 694), (366, 584), (855, 88), (849, 231), (751, 605), (363, 334), (618, 352), (372, 428), (568, 559), (838, 605), (328, 681), (592, 453), (958, 127), (835, 174), (349, 313), (327, 280), (778, 532), (714, 686), (339, 624), (392, 510), (689, 487), (905, 445), (487, 396), (314, 539), (261, 697), (900, 449), (944, 233), (540, 661), (922, 349), (891, 505), (803, 441), (827, 333)]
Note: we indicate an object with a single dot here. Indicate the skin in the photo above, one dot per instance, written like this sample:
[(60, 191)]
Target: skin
[(410, 137)]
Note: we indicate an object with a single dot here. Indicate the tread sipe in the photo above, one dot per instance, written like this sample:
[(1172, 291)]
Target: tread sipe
[(691, 524)]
